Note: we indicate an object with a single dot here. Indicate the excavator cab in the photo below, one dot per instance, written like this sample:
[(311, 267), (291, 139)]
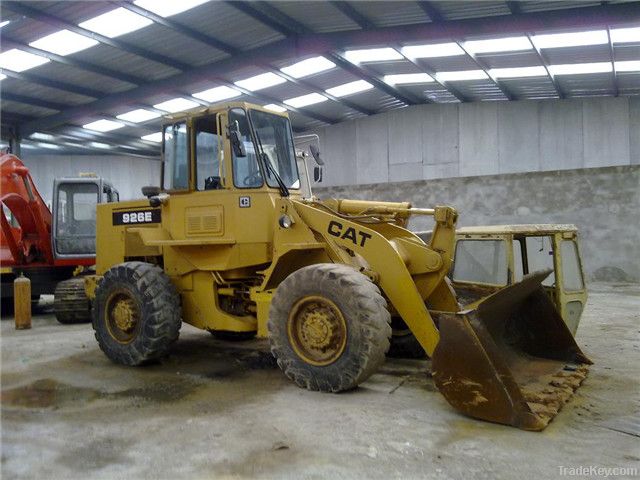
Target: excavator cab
[(74, 214)]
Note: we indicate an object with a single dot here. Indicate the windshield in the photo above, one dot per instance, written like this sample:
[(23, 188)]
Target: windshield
[(274, 134), (246, 173)]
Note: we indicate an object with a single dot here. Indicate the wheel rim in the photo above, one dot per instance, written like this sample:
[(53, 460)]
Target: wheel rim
[(317, 330), (122, 315)]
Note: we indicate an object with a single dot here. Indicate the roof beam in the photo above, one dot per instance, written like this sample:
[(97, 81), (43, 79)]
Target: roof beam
[(35, 14), (8, 42), (432, 12), (364, 23), (216, 43), (372, 78), (35, 102), (437, 17), (352, 14), (614, 72), (50, 83), (516, 9), (179, 27), (320, 43), (267, 14), (484, 67), (432, 73), (545, 64)]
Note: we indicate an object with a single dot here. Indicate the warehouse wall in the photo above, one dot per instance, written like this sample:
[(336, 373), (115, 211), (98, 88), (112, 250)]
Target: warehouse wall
[(486, 138), (603, 202), (127, 174)]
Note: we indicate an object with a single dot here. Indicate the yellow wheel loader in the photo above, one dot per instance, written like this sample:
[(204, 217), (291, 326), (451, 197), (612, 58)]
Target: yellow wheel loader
[(229, 244)]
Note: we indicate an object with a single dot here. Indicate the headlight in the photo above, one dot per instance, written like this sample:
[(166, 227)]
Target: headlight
[(285, 221)]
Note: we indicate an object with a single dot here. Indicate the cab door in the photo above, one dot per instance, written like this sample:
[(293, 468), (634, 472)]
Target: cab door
[(192, 174), (74, 217), (570, 284)]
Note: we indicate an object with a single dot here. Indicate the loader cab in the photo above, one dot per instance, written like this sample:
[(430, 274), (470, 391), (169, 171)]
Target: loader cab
[(487, 259), (237, 147), (74, 214)]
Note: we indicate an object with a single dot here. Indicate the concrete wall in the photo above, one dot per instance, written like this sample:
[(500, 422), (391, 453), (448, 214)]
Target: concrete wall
[(127, 174), (603, 202), (486, 138)]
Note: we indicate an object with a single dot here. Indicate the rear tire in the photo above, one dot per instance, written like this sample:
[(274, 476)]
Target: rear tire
[(136, 315), (70, 303), (328, 327)]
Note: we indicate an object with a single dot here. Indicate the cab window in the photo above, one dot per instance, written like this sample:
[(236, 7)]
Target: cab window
[(175, 171), (207, 153), (273, 134), (481, 261), (76, 218), (246, 172), (571, 273), (540, 257)]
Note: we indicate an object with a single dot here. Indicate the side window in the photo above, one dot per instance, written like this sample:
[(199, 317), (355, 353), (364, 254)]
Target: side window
[(481, 261), (176, 157), (518, 266), (572, 276), (207, 153), (246, 172), (540, 257)]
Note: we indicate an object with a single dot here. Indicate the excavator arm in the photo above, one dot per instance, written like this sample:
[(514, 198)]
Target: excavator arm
[(26, 238)]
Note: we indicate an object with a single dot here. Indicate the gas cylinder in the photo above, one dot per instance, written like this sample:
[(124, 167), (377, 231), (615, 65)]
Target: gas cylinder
[(22, 302)]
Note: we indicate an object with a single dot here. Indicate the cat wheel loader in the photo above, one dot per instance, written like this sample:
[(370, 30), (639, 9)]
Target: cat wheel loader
[(228, 244)]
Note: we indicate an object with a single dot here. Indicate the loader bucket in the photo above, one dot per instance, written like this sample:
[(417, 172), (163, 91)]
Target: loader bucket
[(511, 360)]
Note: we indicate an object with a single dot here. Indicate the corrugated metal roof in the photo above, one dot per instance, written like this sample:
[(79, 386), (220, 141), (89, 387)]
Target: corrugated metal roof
[(127, 63), (389, 14), (318, 16), (470, 9), (227, 23)]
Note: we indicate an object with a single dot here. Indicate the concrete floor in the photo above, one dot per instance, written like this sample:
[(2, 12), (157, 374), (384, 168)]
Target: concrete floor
[(215, 409)]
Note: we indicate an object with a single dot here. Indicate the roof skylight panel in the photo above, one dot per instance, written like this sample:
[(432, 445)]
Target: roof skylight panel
[(116, 23), (64, 42)]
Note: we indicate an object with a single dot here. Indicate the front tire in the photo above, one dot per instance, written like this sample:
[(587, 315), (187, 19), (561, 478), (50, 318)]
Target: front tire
[(136, 315), (328, 327)]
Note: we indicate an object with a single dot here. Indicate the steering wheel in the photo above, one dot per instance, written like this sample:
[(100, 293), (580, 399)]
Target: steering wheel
[(250, 179)]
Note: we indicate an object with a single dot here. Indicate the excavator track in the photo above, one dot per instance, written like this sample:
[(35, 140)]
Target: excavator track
[(71, 304)]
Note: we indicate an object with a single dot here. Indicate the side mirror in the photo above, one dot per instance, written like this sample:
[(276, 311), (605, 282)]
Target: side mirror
[(317, 174), (150, 191), (236, 142), (315, 152)]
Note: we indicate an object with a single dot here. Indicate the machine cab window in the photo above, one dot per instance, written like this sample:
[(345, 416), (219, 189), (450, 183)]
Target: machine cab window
[(246, 171), (207, 149), (76, 218), (175, 148), (481, 261), (275, 142)]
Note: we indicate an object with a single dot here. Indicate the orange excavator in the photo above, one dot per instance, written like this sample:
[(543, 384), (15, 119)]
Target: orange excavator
[(49, 247)]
